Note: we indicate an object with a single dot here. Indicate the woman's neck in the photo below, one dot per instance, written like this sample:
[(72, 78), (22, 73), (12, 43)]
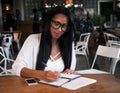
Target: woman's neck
[(55, 50), (54, 41)]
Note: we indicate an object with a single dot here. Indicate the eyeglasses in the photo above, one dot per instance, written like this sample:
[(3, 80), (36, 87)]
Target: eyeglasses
[(56, 25)]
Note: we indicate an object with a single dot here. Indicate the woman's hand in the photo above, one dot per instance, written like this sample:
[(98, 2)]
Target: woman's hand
[(50, 76), (39, 74), (69, 71)]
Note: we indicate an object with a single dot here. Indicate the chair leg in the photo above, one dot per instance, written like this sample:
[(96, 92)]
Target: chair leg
[(87, 50), (93, 62), (87, 60), (113, 66)]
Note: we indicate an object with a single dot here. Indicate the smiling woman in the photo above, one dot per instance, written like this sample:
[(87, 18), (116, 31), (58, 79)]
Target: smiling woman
[(58, 25), (49, 48)]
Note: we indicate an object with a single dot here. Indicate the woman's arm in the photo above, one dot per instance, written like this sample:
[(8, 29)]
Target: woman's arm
[(26, 56), (25, 62), (38, 74)]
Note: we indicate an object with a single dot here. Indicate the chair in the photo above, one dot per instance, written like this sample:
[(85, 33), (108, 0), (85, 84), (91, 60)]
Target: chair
[(5, 63), (7, 45), (104, 51), (115, 44), (109, 38), (81, 47)]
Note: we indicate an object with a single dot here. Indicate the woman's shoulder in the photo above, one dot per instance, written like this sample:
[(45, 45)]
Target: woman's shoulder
[(34, 38)]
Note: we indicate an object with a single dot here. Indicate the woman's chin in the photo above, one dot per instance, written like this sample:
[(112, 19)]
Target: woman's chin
[(56, 36)]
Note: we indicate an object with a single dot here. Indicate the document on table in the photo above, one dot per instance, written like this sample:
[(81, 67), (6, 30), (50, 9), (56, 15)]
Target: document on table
[(70, 81), (78, 83), (57, 83), (64, 78)]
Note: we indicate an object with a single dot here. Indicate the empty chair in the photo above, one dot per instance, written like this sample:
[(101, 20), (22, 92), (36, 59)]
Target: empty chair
[(5, 64), (115, 44), (7, 45), (84, 39), (81, 47), (110, 38), (104, 51)]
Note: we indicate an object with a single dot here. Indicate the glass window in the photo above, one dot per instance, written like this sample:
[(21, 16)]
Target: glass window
[(29, 5)]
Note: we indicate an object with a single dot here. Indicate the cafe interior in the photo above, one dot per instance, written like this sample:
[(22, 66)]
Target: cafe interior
[(97, 24)]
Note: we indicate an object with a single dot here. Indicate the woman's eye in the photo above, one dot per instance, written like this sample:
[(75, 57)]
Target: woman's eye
[(57, 24), (64, 26)]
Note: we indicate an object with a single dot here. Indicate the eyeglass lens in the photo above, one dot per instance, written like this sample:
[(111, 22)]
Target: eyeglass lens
[(57, 25)]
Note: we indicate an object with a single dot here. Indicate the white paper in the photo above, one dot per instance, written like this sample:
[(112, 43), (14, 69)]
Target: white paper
[(69, 76), (78, 83), (59, 82), (64, 78)]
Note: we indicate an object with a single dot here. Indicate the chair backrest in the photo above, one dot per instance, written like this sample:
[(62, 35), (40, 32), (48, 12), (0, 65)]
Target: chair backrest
[(109, 36), (115, 44), (80, 48), (82, 44), (105, 51), (108, 51), (84, 37), (7, 40)]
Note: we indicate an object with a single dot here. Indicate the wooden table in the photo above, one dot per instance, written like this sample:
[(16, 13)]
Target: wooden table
[(9, 32), (106, 83)]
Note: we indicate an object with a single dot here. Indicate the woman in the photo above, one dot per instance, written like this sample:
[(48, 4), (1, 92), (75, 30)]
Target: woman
[(53, 49)]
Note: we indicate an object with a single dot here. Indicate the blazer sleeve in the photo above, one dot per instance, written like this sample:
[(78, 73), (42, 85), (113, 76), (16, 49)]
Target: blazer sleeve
[(27, 55), (73, 63)]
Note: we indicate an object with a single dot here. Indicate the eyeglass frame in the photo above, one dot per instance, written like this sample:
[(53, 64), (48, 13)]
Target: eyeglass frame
[(58, 25)]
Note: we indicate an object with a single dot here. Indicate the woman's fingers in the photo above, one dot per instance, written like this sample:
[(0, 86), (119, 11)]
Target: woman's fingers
[(68, 71), (51, 76)]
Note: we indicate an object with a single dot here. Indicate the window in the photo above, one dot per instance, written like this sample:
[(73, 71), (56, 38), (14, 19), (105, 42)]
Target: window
[(29, 5)]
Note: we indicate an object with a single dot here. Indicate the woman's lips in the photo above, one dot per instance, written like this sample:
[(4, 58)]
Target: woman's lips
[(57, 34)]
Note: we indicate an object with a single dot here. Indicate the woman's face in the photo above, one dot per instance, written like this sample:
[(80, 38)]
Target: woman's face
[(58, 25)]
